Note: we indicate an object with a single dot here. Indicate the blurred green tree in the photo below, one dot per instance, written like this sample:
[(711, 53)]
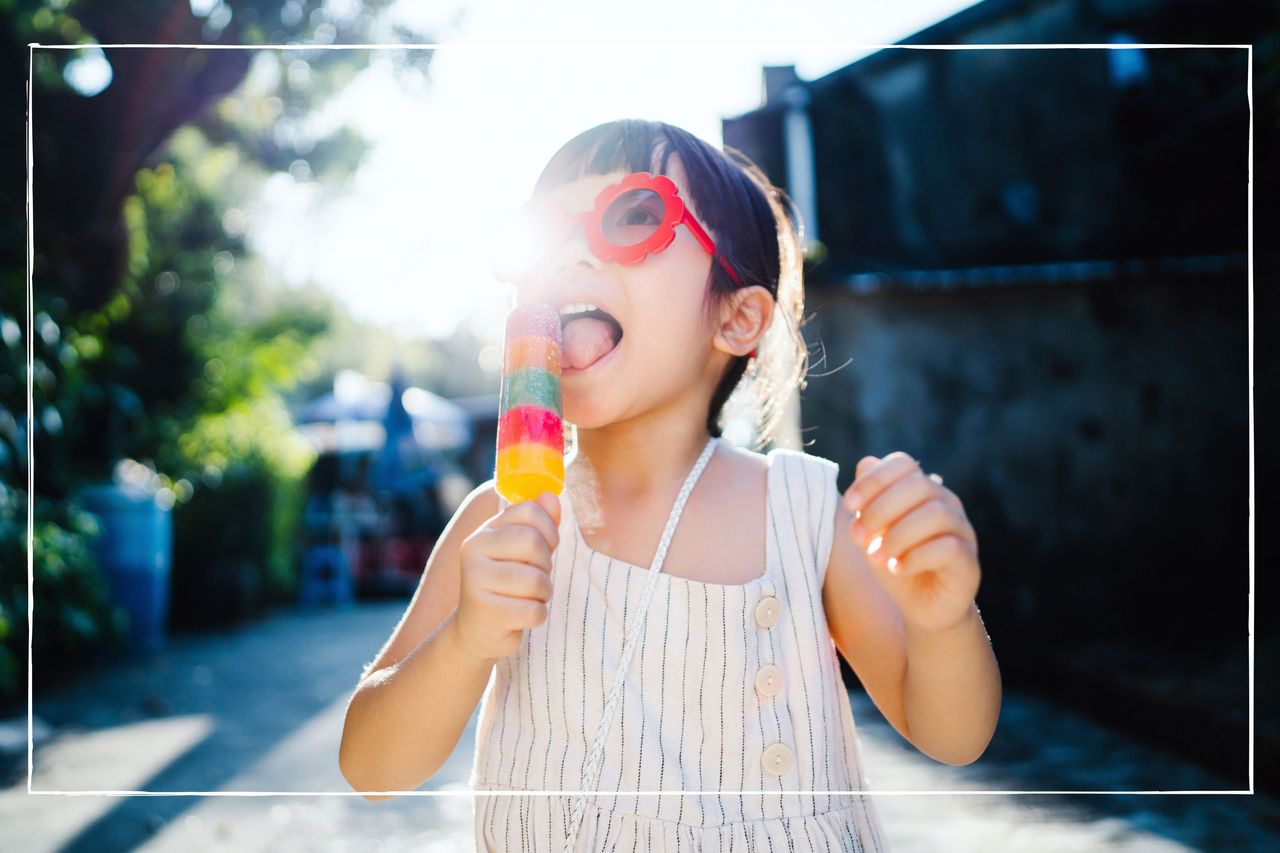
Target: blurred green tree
[(155, 335)]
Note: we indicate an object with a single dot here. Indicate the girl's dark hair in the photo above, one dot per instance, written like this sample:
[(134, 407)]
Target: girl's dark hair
[(749, 220)]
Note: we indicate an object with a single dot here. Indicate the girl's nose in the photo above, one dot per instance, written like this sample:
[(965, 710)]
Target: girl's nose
[(539, 280), (571, 250)]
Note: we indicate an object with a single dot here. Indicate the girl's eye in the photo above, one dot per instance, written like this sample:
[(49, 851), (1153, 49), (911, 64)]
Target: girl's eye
[(633, 217), (639, 216), (643, 212)]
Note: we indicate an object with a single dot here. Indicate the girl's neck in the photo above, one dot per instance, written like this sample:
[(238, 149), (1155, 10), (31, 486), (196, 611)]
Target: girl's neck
[(637, 464)]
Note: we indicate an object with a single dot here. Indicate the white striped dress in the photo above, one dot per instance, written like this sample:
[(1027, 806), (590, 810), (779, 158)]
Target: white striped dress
[(732, 688)]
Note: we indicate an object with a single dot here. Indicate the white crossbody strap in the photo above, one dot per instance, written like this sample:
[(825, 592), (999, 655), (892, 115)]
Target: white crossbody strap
[(633, 633)]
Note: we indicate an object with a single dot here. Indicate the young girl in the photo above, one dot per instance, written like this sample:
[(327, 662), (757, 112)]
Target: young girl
[(670, 622)]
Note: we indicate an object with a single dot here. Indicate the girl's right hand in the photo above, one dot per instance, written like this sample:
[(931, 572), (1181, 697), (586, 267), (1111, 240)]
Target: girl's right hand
[(506, 576)]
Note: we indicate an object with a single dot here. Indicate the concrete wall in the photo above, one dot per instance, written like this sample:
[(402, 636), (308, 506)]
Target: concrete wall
[(1097, 433)]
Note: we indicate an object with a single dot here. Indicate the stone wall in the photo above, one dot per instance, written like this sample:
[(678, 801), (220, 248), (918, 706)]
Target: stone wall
[(1096, 431)]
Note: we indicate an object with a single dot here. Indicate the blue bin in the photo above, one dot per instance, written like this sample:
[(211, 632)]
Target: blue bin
[(134, 552)]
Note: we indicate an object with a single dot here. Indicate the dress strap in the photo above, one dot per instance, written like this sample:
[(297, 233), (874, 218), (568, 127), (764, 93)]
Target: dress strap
[(804, 494), (633, 634)]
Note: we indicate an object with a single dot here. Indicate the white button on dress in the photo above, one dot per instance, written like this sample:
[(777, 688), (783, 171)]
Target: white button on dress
[(777, 759), (767, 611), (769, 680)]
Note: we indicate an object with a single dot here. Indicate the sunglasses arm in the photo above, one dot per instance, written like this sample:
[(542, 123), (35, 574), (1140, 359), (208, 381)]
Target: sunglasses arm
[(702, 237)]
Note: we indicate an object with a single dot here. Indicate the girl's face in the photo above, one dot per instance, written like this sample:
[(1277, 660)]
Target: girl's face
[(661, 350)]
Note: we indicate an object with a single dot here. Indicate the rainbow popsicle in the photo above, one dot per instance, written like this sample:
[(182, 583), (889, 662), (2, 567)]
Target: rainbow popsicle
[(530, 454)]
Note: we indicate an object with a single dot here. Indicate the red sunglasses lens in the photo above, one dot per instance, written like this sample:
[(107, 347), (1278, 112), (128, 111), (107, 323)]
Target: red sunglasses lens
[(525, 240), (632, 217)]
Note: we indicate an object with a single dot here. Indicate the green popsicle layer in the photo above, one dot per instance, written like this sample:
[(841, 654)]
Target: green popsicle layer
[(530, 386)]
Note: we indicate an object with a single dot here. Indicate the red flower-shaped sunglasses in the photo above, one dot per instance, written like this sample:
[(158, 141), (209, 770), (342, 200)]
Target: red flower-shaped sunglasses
[(632, 218)]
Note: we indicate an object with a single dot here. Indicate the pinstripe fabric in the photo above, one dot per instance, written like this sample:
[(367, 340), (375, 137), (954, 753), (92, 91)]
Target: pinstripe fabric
[(691, 718)]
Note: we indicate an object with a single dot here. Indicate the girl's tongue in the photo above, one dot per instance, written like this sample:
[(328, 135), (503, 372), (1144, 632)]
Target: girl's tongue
[(586, 340)]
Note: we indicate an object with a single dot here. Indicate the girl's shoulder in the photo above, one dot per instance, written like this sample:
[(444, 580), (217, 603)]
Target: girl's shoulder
[(745, 459), (787, 469)]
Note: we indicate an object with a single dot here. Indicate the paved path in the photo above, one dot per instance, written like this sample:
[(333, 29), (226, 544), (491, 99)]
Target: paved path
[(261, 709)]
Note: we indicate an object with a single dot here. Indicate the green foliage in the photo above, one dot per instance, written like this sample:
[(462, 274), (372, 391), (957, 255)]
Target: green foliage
[(228, 437), (157, 336), (250, 466), (75, 615)]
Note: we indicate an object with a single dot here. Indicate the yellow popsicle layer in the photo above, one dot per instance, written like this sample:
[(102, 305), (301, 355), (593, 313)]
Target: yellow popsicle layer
[(528, 469)]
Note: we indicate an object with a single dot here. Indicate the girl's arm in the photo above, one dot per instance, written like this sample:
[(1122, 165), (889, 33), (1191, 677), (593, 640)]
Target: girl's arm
[(938, 686), (417, 696)]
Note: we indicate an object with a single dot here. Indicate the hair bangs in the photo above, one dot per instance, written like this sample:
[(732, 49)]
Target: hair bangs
[(628, 145)]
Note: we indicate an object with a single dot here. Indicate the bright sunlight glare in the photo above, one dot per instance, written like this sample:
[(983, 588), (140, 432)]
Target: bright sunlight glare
[(411, 242)]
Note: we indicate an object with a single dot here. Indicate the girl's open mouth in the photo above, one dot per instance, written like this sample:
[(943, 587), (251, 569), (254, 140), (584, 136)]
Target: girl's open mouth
[(589, 337)]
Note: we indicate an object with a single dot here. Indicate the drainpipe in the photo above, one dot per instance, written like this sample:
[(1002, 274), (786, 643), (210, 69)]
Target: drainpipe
[(797, 135)]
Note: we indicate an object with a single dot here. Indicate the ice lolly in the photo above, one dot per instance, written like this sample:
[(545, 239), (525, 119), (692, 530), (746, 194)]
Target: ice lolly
[(530, 453)]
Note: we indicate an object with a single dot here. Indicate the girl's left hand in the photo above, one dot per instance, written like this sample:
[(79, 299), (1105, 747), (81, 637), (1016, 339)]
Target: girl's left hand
[(918, 540)]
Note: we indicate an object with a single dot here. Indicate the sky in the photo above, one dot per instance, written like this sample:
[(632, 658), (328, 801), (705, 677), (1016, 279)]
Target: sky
[(405, 243)]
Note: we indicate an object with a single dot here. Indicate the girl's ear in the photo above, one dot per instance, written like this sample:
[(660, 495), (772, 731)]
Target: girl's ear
[(744, 318)]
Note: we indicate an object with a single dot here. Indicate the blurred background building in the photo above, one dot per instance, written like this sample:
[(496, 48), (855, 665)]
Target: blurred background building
[(1028, 270)]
